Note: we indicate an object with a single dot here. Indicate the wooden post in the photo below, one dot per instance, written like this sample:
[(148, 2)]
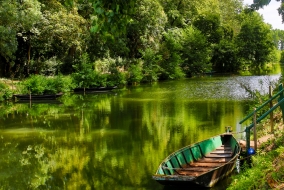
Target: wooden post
[(271, 113), (279, 99), (30, 99), (247, 139), (254, 130)]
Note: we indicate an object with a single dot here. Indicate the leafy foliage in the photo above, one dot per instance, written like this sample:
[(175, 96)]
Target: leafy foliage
[(266, 172), (39, 84), (135, 73), (103, 72), (225, 58), (254, 40), (184, 38), (112, 17), (5, 92), (253, 179), (8, 30), (84, 75), (179, 12), (151, 68), (209, 25), (282, 57), (171, 56), (196, 52)]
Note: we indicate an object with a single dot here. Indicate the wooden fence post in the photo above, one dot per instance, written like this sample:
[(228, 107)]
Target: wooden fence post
[(271, 113), (247, 140), (280, 98), (254, 130)]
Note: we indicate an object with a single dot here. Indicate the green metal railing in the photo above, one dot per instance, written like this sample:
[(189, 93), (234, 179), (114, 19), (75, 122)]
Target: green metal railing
[(257, 120)]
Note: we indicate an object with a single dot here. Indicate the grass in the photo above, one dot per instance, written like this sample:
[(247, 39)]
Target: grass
[(267, 168)]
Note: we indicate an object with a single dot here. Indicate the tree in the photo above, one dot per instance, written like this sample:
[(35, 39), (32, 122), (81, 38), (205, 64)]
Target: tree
[(260, 3), (170, 51), (109, 16), (210, 26), (63, 34), (179, 12), (282, 57), (278, 38), (225, 58), (144, 31), (195, 52), (229, 15), (29, 16), (17, 29), (255, 39), (8, 30), (151, 67), (257, 4)]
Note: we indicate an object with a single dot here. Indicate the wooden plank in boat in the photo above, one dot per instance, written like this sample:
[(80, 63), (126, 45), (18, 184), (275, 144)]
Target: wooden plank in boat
[(206, 164), (190, 173), (214, 160), (197, 168), (222, 152), (225, 155), (224, 148)]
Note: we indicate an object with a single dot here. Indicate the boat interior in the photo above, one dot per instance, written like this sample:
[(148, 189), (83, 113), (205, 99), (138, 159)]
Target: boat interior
[(200, 158)]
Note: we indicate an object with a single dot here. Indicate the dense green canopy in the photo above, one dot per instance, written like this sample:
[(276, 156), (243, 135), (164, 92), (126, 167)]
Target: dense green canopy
[(145, 40)]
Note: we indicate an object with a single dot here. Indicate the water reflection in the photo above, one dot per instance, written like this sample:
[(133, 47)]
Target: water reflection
[(116, 140)]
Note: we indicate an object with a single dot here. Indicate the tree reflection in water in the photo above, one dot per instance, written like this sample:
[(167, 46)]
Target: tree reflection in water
[(109, 141)]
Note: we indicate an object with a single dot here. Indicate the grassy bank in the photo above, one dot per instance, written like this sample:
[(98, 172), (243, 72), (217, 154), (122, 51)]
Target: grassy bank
[(267, 168)]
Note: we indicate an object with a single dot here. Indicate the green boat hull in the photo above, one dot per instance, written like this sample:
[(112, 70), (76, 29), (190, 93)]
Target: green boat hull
[(203, 163)]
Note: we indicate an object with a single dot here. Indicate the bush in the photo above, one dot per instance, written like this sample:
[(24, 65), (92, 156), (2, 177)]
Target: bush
[(117, 78), (151, 68), (112, 71), (38, 84), (135, 74), (58, 84), (5, 92), (35, 84), (85, 75), (171, 59)]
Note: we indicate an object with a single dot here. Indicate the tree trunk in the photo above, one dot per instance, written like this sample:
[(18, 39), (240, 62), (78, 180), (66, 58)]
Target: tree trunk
[(29, 58)]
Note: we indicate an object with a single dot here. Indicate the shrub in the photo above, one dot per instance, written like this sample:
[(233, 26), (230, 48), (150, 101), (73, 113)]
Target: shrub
[(5, 92), (116, 78), (84, 75), (58, 84), (35, 84), (111, 70), (38, 84), (135, 73), (151, 68)]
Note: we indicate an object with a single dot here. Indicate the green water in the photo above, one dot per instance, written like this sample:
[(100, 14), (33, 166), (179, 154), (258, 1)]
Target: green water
[(115, 140)]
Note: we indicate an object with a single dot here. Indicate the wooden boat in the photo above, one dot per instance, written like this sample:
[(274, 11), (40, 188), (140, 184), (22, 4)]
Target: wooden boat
[(37, 97), (203, 163), (96, 89)]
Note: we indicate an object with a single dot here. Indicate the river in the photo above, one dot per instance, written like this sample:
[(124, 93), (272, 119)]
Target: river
[(116, 140)]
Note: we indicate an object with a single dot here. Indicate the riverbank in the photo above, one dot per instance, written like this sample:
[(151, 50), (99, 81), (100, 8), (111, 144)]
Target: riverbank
[(267, 171)]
